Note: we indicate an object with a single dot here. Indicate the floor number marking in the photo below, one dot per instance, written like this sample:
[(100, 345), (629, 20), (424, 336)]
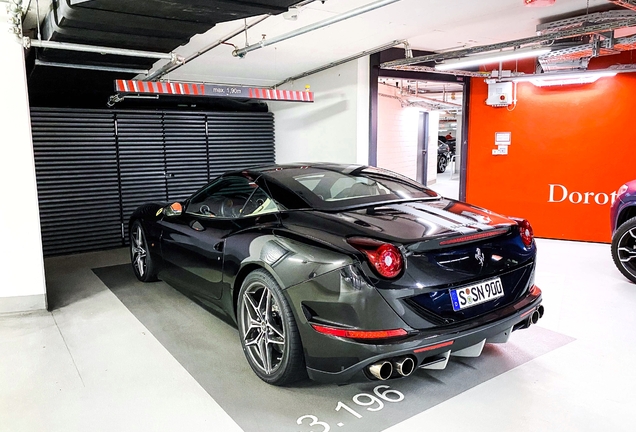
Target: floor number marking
[(341, 405), (369, 401), (314, 422)]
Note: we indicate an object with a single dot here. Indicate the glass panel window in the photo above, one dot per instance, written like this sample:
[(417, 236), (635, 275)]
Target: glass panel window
[(231, 197)]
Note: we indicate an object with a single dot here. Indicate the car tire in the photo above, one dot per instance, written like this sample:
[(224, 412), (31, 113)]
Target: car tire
[(268, 331), (140, 257), (624, 241), (441, 164)]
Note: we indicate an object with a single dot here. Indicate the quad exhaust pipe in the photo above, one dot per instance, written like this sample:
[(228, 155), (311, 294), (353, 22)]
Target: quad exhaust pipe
[(404, 366), (535, 316), (538, 313), (383, 370)]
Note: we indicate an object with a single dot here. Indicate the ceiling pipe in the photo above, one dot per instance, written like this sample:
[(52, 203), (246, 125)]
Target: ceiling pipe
[(324, 23), (28, 43), (170, 67), (407, 48), (591, 29), (39, 62)]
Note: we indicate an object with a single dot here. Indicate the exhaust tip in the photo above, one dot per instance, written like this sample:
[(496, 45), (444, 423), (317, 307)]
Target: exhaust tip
[(405, 366), (381, 370), (541, 310), (534, 318)]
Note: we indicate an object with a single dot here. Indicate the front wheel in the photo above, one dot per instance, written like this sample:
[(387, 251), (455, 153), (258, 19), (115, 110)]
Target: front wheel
[(441, 163), (268, 331), (624, 249), (140, 258)]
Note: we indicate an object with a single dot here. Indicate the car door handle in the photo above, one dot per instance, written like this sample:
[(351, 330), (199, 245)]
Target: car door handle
[(218, 247)]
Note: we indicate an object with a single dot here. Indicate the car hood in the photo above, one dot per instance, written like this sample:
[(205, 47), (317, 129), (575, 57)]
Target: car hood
[(402, 222)]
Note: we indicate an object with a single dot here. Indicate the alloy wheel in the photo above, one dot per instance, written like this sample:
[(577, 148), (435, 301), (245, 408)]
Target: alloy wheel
[(139, 253), (262, 328), (441, 165), (626, 250)]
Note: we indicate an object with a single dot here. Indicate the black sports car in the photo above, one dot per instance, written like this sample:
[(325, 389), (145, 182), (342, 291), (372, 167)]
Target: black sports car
[(342, 272)]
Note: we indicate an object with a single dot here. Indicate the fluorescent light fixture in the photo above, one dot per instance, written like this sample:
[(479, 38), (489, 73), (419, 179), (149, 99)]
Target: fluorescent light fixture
[(492, 57), (564, 78)]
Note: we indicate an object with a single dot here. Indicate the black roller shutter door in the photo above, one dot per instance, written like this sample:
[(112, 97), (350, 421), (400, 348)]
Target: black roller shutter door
[(240, 140), (94, 167), (142, 162), (186, 153), (76, 170)]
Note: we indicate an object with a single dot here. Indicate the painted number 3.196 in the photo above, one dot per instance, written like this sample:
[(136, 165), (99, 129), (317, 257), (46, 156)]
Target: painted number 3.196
[(373, 403)]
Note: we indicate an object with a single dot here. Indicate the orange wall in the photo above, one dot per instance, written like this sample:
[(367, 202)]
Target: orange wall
[(580, 137)]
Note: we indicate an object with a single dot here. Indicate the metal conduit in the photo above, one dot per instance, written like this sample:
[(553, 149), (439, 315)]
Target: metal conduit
[(324, 23), (169, 67), (39, 62), (596, 28), (98, 49), (375, 50)]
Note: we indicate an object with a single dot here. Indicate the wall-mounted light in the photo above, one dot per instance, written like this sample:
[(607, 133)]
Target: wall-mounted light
[(492, 57)]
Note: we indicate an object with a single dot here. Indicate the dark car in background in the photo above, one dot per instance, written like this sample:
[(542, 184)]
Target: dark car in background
[(623, 228), (342, 272)]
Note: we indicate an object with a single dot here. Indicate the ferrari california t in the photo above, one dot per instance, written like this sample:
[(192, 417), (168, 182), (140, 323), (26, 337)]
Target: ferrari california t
[(341, 272)]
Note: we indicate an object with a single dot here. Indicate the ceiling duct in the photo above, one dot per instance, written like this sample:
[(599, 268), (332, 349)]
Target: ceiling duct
[(149, 25)]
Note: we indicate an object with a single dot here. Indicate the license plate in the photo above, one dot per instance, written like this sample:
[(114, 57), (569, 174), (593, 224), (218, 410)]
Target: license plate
[(479, 293)]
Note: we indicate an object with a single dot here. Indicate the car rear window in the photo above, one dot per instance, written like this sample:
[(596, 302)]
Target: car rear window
[(328, 189)]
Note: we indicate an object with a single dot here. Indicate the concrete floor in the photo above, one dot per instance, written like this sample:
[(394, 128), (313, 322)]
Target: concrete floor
[(447, 184), (92, 365)]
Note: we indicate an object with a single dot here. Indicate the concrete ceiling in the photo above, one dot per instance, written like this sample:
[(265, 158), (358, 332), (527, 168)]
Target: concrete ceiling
[(430, 25)]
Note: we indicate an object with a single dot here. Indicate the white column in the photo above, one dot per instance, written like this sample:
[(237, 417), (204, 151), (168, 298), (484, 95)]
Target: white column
[(22, 285)]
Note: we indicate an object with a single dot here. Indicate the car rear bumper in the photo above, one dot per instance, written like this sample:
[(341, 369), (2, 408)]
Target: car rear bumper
[(428, 348)]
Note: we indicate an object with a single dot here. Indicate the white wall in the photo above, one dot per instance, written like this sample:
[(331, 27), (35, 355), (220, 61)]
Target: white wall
[(397, 133), (398, 130), (433, 137), (21, 263), (335, 128)]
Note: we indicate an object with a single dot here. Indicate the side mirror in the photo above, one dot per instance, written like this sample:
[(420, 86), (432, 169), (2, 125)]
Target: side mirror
[(174, 209)]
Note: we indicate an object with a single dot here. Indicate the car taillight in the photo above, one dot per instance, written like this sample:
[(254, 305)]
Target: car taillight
[(384, 258), (525, 229), (359, 334)]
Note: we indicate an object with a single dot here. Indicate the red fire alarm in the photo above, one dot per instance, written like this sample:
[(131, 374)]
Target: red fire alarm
[(538, 3)]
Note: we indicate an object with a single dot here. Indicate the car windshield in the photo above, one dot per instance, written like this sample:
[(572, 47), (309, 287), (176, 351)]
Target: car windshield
[(328, 189)]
